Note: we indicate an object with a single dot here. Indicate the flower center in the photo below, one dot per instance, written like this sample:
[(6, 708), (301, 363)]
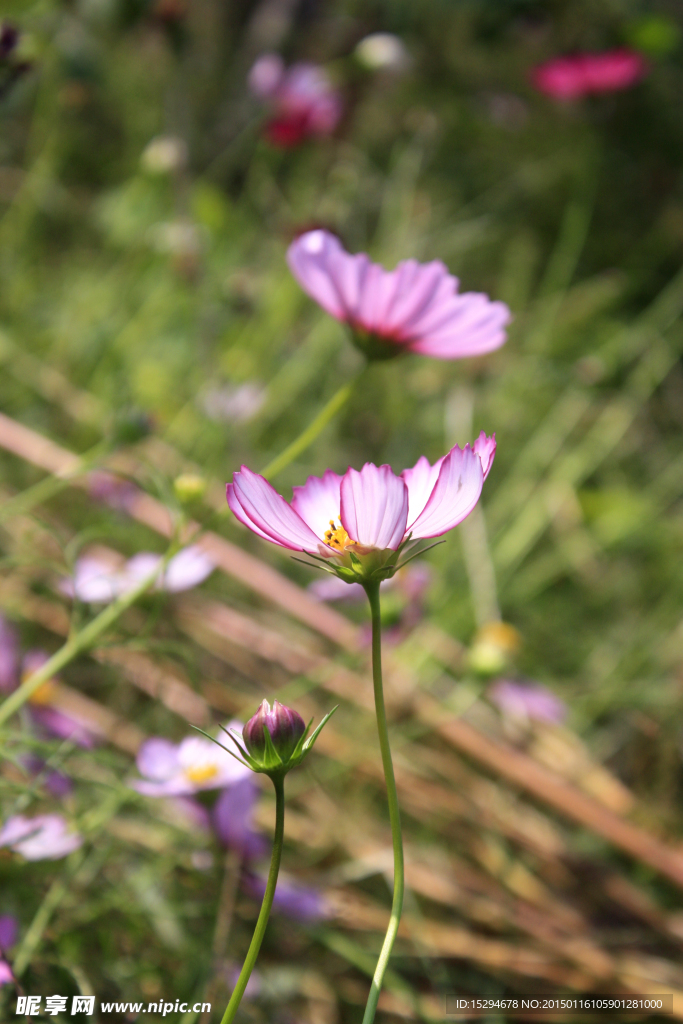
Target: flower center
[(201, 773), (44, 694), (337, 537)]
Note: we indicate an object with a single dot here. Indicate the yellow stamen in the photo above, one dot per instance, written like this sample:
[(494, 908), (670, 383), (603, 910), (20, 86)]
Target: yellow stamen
[(337, 537), (44, 694), (202, 773)]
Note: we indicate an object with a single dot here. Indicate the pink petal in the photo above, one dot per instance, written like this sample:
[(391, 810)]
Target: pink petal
[(420, 481), (419, 286), (455, 494), (485, 447), (187, 569), (318, 501), (308, 257), (471, 326), (266, 75), (374, 506), (157, 759), (263, 510)]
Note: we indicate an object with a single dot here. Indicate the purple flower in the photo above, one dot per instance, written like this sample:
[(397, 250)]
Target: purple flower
[(414, 308), (9, 657), (9, 927), (232, 819), (49, 720), (331, 588), (376, 509), (45, 837), (96, 582), (298, 902), (112, 490), (528, 701), (194, 764), (6, 976), (56, 783), (286, 727), (302, 99)]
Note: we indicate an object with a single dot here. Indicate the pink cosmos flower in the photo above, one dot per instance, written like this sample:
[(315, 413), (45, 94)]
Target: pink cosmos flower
[(528, 701), (49, 720), (45, 837), (583, 74), (368, 513), (414, 308), (302, 99), (232, 819), (180, 770), (96, 582)]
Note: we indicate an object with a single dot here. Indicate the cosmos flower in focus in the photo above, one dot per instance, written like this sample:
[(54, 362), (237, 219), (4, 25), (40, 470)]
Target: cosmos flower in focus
[(585, 74), (180, 770), (96, 582), (302, 100), (45, 837), (528, 701), (414, 308), (360, 523)]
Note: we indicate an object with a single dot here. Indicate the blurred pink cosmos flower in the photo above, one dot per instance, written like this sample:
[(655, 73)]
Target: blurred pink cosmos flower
[(96, 582), (414, 308), (45, 837), (303, 101), (180, 770), (583, 74), (50, 720), (377, 512), (528, 701)]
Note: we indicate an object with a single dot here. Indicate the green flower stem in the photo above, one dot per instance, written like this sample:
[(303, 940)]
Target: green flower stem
[(260, 929), (308, 436), (79, 642), (372, 590)]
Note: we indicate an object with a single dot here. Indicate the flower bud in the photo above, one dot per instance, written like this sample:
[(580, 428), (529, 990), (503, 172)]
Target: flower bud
[(286, 727)]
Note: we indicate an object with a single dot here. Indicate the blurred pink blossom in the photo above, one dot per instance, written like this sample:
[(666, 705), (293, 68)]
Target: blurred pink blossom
[(9, 926), (180, 770), (96, 582), (528, 701), (50, 720), (45, 837), (414, 308), (584, 74), (302, 99)]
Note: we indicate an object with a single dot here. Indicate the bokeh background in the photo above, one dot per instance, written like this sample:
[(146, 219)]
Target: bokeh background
[(148, 318)]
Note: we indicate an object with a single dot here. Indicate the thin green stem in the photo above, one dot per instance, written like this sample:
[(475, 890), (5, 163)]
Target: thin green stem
[(260, 929), (372, 590), (308, 436), (81, 641)]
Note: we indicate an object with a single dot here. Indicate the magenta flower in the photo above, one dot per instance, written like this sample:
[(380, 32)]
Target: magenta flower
[(363, 520), (97, 582), (45, 837), (414, 308), (584, 74), (192, 765), (303, 102), (525, 701), (284, 724)]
